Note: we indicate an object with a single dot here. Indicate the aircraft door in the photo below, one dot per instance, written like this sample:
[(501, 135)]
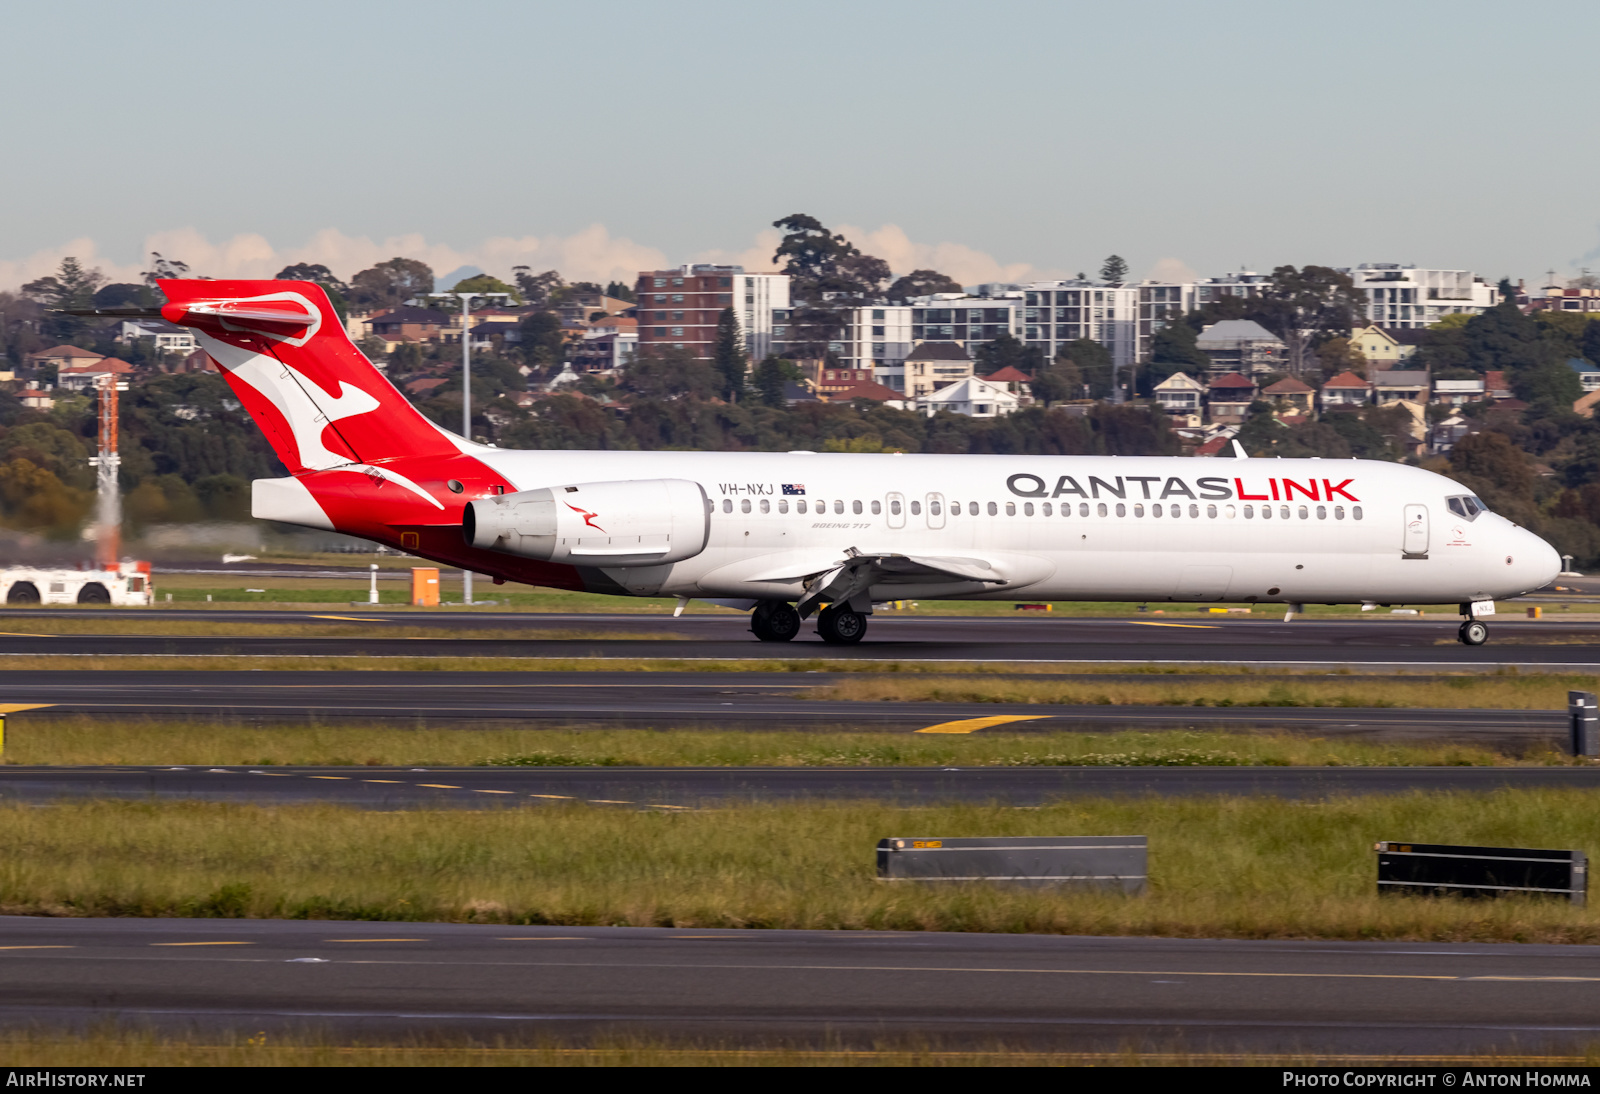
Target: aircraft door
[(1415, 543), (935, 511), (897, 510)]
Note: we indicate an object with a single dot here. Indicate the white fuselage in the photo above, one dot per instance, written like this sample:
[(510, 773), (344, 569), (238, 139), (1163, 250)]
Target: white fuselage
[(1073, 527)]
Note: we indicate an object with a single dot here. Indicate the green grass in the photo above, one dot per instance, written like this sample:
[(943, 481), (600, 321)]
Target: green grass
[(83, 740), (1219, 867), (135, 1048), (1497, 691)]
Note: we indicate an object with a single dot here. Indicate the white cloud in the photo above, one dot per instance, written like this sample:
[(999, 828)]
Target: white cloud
[(592, 254), (966, 264), (1171, 270)]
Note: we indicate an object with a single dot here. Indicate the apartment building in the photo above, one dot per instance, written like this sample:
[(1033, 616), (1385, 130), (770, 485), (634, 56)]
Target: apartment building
[(1162, 301), (680, 307), (1401, 297)]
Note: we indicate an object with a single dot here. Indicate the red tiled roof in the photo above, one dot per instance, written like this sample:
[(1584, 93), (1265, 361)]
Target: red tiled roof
[(67, 351), (97, 366), (1347, 379), (1286, 386), (1232, 379), (1009, 374), (1213, 446), (427, 383), (865, 389)]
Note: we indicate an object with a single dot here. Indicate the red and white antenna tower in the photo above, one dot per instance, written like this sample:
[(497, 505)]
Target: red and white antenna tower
[(108, 510)]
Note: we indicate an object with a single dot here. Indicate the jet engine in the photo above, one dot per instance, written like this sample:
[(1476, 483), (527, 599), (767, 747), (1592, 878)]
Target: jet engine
[(644, 522)]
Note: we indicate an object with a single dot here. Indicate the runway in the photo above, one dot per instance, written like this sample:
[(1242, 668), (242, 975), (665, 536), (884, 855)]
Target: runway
[(1179, 639), (710, 787), (425, 979), (748, 701)]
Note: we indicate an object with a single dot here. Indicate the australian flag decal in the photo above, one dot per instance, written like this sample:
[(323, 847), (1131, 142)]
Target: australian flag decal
[(791, 488)]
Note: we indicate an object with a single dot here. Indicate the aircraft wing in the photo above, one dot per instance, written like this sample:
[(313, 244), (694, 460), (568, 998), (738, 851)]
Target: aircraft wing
[(854, 575)]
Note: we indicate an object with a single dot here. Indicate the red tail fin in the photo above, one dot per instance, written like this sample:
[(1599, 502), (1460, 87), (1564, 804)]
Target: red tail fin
[(285, 353)]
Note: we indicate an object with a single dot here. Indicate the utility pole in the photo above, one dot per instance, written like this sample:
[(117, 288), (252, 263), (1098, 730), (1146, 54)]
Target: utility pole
[(108, 507), (466, 392)]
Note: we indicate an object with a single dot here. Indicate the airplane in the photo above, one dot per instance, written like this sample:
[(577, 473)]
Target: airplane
[(786, 535)]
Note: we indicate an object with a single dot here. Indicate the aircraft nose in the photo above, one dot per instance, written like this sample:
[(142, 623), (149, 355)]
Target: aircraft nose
[(1534, 562)]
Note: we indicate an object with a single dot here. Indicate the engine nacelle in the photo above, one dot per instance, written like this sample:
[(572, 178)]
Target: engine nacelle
[(645, 522)]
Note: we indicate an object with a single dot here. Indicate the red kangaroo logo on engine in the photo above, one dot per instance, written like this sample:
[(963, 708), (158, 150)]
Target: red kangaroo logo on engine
[(588, 517)]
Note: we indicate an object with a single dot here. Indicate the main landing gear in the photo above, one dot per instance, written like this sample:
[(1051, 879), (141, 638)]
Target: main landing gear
[(775, 621), (839, 626), (1473, 633)]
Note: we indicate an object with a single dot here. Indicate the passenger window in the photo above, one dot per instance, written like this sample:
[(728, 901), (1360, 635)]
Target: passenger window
[(992, 509), (1211, 512), (1228, 511), (1083, 508), (1027, 508), (1138, 510), (1322, 512), (727, 505), (1045, 509), (1338, 512), (877, 508), (1155, 510), (894, 508), (783, 505), (1304, 512), (855, 507), (744, 506), (1355, 511), (1249, 512), (934, 509), (1100, 510), (800, 506), (766, 506), (838, 507), (916, 508), (1194, 512), (955, 509), (972, 508), (1011, 508), (1266, 512), (1283, 512), (1122, 510)]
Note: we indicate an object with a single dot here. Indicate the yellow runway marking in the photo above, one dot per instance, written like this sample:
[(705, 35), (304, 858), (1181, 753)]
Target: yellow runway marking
[(202, 943), (38, 947), (546, 938), (275, 774), (339, 778), (607, 801), (971, 725), (1190, 626), (17, 634), (13, 708), (563, 797), (439, 786), (374, 940), (394, 781), (494, 791), (352, 618)]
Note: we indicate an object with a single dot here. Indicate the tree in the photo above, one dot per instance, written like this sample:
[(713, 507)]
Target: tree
[(1307, 306), (485, 283), (124, 295), (167, 269), (390, 284), (1094, 364), (542, 343), (998, 353), (338, 292), (769, 377), (921, 283), (1114, 270), (1060, 382), (537, 289), (730, 360), (1175, 348), (616, 290), (71, 286), (821, 261)]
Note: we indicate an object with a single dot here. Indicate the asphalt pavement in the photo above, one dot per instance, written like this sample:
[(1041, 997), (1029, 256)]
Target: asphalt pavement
[(425, 979)]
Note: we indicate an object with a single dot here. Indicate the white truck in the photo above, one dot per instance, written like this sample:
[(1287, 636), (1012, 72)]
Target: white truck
[(128, 585)]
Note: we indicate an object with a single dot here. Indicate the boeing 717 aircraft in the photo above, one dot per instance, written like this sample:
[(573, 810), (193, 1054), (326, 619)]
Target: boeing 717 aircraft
[(789, 535)]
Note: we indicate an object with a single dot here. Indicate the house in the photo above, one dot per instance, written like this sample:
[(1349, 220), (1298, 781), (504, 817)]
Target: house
[(408, 324), (869, 389), (1242, 345), (1409, 385), (1588, 373), (166, 337), (1345, 391), (1496, 386), (1443, 436), (83, 376), (1013, 380), (1229, 398), (1292, 397), (60, 357), (425, 386), (36, 397), (1458, 392), (1384, 347), (826, 378), (972, 397), (934, 365), (1182, 397)]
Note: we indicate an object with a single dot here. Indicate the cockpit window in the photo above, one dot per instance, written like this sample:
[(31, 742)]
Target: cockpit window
[(1467, 505)]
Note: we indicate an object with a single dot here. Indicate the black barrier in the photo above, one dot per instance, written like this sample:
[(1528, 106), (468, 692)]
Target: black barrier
[(1437, 868), (1583, 724), (1094, 862)]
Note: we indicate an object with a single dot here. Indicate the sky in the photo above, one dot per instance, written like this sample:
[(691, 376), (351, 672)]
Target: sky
[(1001, 141)]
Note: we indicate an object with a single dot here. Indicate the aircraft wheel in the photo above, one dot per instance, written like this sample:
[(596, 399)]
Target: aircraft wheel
[(1473, 633), (841, 626), (775, 621)]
